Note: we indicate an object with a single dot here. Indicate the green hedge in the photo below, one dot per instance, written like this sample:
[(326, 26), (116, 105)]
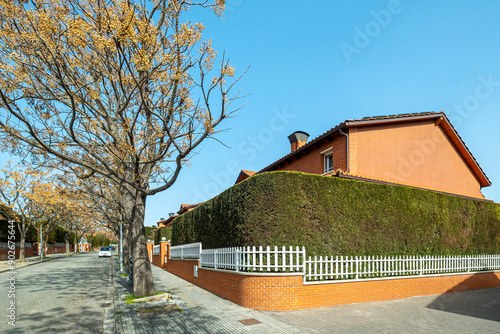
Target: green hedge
[(332, 216), (163, 232)]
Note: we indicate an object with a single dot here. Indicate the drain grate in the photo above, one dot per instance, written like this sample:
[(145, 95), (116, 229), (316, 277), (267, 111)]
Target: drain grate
[(252, 321)]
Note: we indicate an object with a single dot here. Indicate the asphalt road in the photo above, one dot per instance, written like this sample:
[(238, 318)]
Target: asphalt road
[(59, 296)]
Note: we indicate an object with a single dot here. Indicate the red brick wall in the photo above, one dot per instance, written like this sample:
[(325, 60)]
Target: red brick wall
[(287, 293), (4, 253), (313, 162), (182, 268), (156, 260), (28, 252), (415, 153)]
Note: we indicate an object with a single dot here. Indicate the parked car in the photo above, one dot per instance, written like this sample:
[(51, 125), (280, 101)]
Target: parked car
[(104, 251)]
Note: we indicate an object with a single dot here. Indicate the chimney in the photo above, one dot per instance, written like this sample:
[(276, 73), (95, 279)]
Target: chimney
[(171, 214), (297, 140)]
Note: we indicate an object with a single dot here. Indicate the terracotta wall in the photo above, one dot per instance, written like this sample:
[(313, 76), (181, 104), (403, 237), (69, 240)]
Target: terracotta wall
[(33, 251), (287, 292), (4, 253), (160, 260), (313, 162), (417, 154)]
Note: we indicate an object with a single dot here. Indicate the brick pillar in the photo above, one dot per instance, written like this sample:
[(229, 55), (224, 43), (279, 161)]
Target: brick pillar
[(164, 253), (150, 251)]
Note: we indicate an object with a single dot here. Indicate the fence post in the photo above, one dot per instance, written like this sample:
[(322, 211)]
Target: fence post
[(215, 258), (304, 264), (357, 268), (237, 262), (420, 263)]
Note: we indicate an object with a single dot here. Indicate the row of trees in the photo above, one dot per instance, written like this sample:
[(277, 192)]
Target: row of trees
[(44, 200), (118, 94)]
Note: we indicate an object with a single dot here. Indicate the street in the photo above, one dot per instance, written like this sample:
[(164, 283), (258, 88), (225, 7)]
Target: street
[(59, 296)]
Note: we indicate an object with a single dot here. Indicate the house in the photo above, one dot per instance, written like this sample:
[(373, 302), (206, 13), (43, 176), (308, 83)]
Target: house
[(184, 208), (421, 150)]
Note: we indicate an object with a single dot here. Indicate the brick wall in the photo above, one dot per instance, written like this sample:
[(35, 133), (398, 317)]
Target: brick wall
[(33, 251), (287, 292), (4, 253), (313, 162)]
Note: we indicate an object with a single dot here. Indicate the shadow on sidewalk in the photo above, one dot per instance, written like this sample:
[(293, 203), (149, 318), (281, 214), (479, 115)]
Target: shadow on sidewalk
[(483, 304)]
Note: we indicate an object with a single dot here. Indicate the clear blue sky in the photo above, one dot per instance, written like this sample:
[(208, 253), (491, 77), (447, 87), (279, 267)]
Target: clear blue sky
[(315, 64)]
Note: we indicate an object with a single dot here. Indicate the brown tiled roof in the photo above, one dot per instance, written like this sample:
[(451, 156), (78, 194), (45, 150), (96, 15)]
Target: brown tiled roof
[(372, 120), (185, 207)]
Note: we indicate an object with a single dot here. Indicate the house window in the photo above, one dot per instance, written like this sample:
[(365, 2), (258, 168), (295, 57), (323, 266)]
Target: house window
[(328, 162)]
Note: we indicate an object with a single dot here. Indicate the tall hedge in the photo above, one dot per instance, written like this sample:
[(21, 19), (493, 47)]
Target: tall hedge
[(163, 232), (332, 216)]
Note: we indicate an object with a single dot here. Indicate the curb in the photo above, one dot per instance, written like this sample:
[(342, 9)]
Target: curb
[(117, 304), (109, 323)]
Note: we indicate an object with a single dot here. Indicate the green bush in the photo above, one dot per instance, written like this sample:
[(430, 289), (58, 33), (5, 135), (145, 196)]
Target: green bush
[(333, 216), (163, 232), (150, 232)]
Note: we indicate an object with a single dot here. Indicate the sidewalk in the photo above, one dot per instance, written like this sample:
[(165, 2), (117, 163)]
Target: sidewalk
[(29, 261), (202, 311), (475, 311)]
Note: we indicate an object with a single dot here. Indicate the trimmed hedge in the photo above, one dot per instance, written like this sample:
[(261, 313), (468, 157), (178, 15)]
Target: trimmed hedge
[(333, 216), (163, 232)]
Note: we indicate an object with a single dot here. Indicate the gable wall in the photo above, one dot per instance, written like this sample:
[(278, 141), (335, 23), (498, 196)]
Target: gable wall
[(313, 162), (416, 153)]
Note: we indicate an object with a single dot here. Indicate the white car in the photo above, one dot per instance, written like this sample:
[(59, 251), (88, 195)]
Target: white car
[(104, 251)]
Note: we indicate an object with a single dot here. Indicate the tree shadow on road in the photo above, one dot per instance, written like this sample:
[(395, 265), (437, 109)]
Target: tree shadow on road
[(62, 300), (483, 304)]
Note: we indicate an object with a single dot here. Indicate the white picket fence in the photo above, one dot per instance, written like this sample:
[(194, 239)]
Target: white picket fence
[(188, 251), (324, 269), (156, 250), (355, 268), (255, 259)]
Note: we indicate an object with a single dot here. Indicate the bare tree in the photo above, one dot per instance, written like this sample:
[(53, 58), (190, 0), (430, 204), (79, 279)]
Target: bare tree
[(124, 89)]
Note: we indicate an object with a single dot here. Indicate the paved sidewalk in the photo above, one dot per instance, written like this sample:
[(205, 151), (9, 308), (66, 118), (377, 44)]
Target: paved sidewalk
[(203, 312), (475, 311)]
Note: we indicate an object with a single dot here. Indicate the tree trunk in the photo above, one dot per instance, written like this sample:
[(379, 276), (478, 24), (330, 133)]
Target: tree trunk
[(21, 226), (21, 248), (134, 208), (42, 247), (67, 245), (143, 276), (126, 247)]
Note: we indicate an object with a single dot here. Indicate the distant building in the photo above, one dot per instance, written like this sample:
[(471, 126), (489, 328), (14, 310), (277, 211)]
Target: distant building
[(184, 208)]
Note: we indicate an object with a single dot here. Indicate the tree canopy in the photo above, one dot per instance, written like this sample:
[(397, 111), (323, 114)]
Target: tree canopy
[(120, 88)]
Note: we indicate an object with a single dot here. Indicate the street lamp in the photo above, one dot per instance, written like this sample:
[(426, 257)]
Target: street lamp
[(121, 247)]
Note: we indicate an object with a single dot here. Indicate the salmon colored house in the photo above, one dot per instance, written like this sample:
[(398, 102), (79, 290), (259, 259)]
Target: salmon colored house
[(184, 208), (421, 150)]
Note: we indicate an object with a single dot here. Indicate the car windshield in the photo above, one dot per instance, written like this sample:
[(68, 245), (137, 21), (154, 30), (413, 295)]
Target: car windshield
[(104, 248)]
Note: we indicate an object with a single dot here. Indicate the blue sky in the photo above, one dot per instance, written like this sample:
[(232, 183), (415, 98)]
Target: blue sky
[(315, 64)]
